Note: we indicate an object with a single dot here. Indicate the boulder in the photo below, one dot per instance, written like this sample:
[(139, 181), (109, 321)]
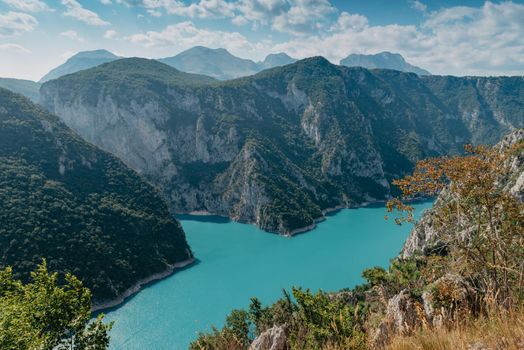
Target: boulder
[(274, 338), (404, 314)]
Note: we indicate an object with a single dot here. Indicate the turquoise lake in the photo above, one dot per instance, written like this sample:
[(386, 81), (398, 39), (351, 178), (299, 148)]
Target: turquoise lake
[(238, 261)]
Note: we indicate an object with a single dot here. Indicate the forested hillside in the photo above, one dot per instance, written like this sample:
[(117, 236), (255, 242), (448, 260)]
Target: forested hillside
[(81, 208)]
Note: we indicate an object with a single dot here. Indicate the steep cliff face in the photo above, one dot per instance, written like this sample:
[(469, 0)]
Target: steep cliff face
[(274, 149), (488, 107)]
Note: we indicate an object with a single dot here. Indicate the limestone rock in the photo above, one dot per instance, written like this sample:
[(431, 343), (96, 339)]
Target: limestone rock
[(403, 316), (274, 338)]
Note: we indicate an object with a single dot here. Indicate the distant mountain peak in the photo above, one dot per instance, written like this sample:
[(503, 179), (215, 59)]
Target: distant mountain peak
[(383, 60), (221, 64), (205, 50), (138, 68), (94, 54), (80, 61), (277, 59), (217, 63)]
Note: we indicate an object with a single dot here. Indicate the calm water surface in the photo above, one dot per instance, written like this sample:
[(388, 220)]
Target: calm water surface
[(238, 261)]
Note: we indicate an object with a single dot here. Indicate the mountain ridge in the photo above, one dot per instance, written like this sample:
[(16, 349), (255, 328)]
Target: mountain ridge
[(278, 148), (382, 60), (217, 63), (79, 61), (28, 88)]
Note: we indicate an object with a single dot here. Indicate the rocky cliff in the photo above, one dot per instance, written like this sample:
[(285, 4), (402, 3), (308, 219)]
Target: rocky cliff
[(279, 147)]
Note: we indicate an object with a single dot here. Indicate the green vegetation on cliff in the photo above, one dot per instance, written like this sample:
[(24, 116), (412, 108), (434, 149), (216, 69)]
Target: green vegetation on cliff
[(279, 147), (470, 271), (80, 208)]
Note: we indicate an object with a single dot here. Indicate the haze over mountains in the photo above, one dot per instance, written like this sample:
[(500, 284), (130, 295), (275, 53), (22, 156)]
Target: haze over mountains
[(221, 64), (79, 61), (216, 63), (279, 147), (383, 60), (28, 88)]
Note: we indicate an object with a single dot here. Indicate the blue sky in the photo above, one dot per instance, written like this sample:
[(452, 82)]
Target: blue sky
[(446, 37)]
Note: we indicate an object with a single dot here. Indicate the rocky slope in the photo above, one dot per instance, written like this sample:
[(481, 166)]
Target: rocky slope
[(79, 207), (278, 148), (383, 60)]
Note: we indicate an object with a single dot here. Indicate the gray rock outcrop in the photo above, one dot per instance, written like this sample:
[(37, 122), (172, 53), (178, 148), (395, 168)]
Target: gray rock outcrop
[(274, 338), (403, 316)]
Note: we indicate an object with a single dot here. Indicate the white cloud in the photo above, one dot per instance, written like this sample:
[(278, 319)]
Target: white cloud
[(458, 40), (154, 13), (110, 34), (303, 16), (73, 35), (14, 23), (14, 48), (262, 11), (239, 20), (28, 5), (67, 54), (106, 2), (185, 35), (75, 10), (295, 17), (350, 21), (200, 9), (450, 15), (418, 5)]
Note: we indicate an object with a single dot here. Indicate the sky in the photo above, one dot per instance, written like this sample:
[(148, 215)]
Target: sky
[(452, 37)]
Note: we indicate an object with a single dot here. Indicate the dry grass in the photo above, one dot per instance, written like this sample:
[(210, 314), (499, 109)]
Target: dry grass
[(497, 333)]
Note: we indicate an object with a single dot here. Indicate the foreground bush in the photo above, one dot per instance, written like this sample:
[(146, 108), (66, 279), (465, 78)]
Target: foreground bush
[(45, 315)]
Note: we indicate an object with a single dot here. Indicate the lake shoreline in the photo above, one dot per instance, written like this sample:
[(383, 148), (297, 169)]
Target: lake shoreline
[(325, 213), (140, 284)]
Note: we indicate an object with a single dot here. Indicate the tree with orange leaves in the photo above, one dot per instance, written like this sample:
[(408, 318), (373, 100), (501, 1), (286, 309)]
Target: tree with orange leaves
[(480, 223)]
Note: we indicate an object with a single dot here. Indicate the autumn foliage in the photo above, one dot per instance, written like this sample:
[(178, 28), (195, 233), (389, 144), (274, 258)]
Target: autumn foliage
[(480, 221)]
